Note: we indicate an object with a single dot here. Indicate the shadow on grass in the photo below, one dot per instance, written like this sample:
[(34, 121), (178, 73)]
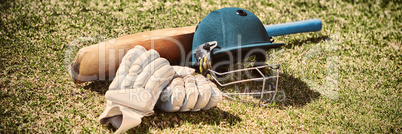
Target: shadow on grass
[(163, 120), (97, 86), (292, 91), (296, 92), (309, 40)]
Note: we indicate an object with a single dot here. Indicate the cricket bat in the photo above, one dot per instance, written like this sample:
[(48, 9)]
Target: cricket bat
[(101, 61)]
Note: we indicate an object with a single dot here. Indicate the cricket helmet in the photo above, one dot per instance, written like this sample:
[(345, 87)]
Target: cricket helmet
[(228, 31), (223, 36)]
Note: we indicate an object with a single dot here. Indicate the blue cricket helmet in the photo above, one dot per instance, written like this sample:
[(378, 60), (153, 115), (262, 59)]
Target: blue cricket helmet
[(229, 29)]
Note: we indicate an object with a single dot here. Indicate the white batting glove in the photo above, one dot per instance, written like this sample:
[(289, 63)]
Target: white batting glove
[(189, 92), (133, 93)]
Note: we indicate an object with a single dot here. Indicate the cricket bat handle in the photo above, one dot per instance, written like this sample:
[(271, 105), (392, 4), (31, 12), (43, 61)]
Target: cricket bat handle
[(311, 25)]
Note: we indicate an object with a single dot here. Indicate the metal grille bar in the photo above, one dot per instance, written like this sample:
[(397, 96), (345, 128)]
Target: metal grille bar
[(264, 78)]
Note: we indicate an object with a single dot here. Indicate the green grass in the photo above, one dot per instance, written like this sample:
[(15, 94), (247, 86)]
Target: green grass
[(344, 79)]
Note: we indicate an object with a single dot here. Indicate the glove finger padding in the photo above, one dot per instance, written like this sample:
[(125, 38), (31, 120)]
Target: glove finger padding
[(189, 93), (176, 89), (139, 65), (216, 96), (204, 92), (125, 66), (136, 88), (183, 71)]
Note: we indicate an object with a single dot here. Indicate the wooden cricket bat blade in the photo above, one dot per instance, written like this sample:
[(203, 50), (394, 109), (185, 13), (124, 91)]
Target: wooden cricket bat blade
[(101, 61)]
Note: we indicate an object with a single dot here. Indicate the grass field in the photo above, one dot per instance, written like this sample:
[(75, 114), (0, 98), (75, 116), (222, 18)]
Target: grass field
[(344, 79)]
